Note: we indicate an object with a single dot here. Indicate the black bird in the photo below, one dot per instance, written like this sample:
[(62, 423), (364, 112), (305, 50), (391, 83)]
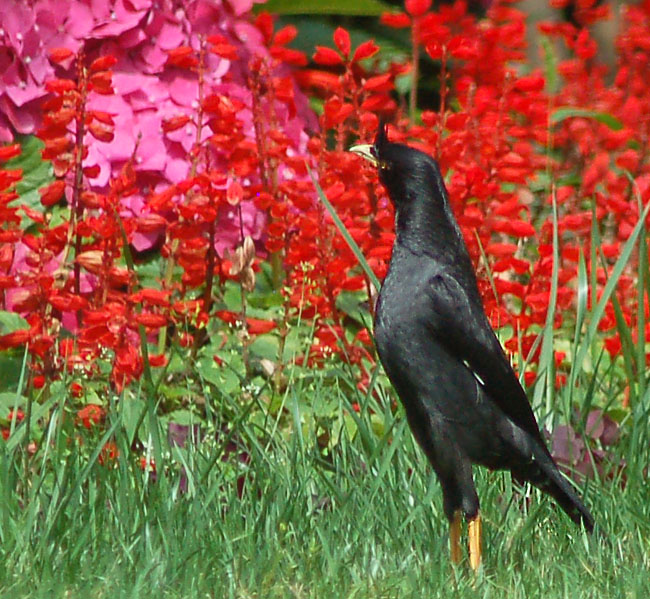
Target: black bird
[(463, 401)]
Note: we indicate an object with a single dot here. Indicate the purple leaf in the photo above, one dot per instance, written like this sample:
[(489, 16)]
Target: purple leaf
[(595, 425)]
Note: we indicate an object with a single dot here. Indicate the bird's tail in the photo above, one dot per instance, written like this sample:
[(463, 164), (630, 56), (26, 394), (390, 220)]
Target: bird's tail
[(550, 480)]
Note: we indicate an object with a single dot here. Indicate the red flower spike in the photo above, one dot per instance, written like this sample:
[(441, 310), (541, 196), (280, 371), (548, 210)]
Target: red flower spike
[(518, 228), (158, 360), (327, 57), (10, 176), (434, 50), (318, 80), (417, 8), (109, 453), (463, 48), (342, 41), (227, 316), (154, 297), (54, 147), (92, 200), (186, 340), (531, 83), (585, 46), (34, 215)]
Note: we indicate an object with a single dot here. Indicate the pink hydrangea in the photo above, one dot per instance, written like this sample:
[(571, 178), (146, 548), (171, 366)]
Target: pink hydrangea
[(139, 33)]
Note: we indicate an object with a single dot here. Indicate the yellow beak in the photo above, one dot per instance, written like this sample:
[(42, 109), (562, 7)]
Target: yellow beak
[(366, 151)]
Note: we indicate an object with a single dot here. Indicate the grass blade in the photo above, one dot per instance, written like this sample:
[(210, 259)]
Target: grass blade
[(356, 250)]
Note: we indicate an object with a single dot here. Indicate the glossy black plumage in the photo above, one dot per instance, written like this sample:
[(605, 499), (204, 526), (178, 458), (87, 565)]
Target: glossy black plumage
[(463, 401)]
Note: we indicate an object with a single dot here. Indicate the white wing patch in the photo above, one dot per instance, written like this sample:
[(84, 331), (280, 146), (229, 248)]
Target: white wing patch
[(476, 376)]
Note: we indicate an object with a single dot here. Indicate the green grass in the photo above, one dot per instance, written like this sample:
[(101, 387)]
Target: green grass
[(359, 519), (363, 520)]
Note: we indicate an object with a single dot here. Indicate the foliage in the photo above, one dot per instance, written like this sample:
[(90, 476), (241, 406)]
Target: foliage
[(178, 248), (284, 520)]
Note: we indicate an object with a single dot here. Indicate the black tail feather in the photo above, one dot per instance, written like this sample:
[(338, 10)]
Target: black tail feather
[(549, 479)]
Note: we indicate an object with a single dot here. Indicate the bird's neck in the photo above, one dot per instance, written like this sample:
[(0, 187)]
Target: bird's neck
[(428, 227)]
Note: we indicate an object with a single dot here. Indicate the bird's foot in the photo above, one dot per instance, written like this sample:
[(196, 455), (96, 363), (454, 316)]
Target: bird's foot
[(475, 533), (454, 537)]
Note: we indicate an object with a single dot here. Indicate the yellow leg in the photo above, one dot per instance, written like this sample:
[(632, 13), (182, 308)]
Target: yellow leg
[(454, 538), (474, 529)]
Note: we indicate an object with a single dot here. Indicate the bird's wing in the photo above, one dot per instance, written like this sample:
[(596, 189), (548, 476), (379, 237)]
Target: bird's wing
[(460, 324)]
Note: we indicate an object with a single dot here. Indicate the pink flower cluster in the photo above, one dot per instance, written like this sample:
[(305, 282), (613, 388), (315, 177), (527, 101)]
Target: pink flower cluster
[(139, 33)]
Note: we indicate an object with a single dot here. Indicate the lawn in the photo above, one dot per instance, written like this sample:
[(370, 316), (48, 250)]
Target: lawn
[(191, 404), (268, 515)]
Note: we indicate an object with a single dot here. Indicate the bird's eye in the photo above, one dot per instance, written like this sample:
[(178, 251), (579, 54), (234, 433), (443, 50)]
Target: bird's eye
[(383, 165)]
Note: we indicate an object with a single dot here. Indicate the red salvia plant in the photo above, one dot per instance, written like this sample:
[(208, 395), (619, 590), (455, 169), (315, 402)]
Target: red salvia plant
[(510, 145)]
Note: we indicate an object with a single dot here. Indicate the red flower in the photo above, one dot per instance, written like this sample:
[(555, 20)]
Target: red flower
[(10, 151), (257, 326), (327, 57), (417, 8), (77, 390), (342, 41), (91, 414), (53, 193)]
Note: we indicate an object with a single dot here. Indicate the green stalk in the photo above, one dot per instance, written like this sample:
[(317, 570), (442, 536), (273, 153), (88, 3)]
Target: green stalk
[(356, 250)]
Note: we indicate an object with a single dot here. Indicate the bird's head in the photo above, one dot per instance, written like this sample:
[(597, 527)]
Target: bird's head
[(403, 170), (414, 184)]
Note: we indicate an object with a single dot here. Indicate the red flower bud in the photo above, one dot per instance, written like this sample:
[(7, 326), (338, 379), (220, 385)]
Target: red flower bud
[(103, 63), (417, 8), (342, 41), (53, 193), (365, 50), (58, 55), (327, 57)]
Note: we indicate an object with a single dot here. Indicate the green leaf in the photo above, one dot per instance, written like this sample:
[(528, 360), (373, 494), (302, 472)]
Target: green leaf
[(355, 305), (132, 410), (610, 286), (9, 400), (361, 8), (265, 346), (10, 364), (10, 322), (567, 112), (36, 173), (183, 417)]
